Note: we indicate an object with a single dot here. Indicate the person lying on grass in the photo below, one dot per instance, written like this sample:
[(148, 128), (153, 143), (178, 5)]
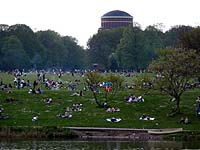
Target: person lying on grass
[(113, 109), (66, 114), (133, 98), (113, 119), (48, 100), (146, 117)]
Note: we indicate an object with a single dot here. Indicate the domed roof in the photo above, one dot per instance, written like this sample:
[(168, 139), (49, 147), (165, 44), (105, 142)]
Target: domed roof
[(117, 13)]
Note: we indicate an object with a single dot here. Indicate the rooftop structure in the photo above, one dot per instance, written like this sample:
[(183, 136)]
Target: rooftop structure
[(116, 18)]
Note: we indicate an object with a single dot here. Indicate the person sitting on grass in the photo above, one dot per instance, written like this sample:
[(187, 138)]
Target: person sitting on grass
[(184, 120), (2, 117), (38, 91), (8, 91), (1, 109), (105, 105), (197, 109), (78, 94), (198, 99)]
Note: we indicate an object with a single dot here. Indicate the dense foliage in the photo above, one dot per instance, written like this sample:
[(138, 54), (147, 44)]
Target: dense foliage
[(132, 48), (175, 70), (21, 48), (129, 48)]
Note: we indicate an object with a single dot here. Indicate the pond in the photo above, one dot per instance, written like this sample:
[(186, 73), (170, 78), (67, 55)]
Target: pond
[(95, 145)]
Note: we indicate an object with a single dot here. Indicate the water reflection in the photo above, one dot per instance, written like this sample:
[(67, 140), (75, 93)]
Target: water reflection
[(97, 145)]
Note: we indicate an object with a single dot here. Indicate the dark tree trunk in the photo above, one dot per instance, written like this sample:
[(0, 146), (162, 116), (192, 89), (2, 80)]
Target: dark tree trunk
[(177, 110), (95, 97)]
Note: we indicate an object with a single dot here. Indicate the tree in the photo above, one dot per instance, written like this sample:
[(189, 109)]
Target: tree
[(31, 45), (191, 40), (112, 62), (102, 45), (130, 49), (103, 88), (153, 40), (144, 82), (4, 27), (61, 52), (74, 54), (14, 56), (172, 36), (53, 44), (175, 68)]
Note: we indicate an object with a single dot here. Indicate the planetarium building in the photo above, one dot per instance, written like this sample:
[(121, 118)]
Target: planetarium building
[(115, 19)]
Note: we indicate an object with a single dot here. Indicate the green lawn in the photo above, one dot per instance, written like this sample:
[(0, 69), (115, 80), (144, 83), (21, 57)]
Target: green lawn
[(156, 105)]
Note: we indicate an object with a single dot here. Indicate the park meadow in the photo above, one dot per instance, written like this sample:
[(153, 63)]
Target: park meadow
[(156, 104)]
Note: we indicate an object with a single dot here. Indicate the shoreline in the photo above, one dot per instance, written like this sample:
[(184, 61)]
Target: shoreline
[(53, 132)]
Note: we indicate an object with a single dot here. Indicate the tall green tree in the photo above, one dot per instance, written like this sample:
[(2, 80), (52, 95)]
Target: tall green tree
[(31, 45), (130, 49), (53, 44), (176, 68), (102, 45), (14, 56), (191, 40), (173, 35), (112, 62), (153, 40), (74, 54)]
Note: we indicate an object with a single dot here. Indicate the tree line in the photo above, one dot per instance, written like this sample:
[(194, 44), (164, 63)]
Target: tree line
[(132, 48), (20, 47), (129, 48)]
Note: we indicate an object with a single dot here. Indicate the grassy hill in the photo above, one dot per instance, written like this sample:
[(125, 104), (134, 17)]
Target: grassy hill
[(155, 105)]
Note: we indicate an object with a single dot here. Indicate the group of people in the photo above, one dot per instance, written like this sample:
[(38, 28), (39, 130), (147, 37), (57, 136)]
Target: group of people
[(184, 120), (68, 110), (48, 100), (35, 91), (133, 98), (11, 100), (66, 114), (77, 107), (113, 109)]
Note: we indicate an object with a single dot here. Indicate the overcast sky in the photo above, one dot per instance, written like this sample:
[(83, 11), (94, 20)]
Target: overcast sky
[(81, 18)]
